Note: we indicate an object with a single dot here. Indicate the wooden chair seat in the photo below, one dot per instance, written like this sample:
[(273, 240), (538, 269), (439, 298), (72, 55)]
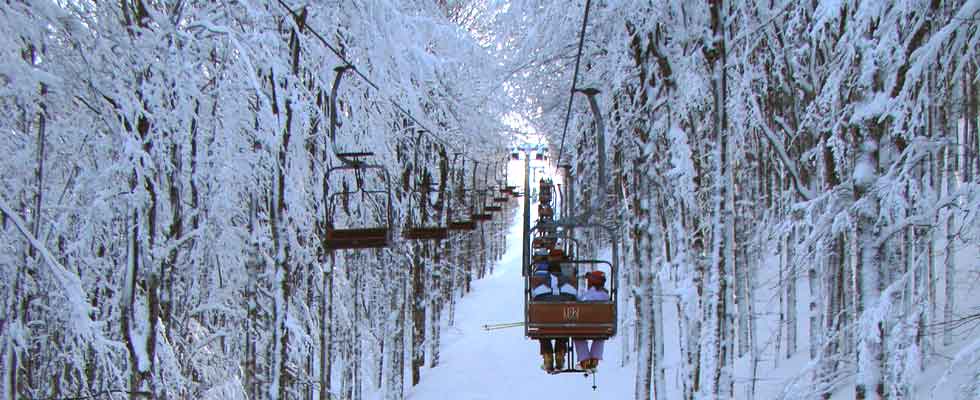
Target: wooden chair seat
[(583, 320), (360, 238), (433, 233), (464, 225), (482, 217)]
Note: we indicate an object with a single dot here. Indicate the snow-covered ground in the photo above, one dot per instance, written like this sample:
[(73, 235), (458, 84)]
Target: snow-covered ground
[(503, 364)]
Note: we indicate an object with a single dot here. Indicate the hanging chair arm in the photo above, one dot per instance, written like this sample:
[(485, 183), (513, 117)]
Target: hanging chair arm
[(333, 115)]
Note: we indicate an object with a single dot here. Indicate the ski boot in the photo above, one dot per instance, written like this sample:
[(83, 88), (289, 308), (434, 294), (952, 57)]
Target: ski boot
[(559, 361), (548, 362)]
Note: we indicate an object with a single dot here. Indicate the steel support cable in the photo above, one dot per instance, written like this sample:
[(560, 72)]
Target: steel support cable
[(364, 77), (571, 93)]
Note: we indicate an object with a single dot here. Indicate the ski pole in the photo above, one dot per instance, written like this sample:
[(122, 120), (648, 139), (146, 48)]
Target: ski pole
[(490, 327)]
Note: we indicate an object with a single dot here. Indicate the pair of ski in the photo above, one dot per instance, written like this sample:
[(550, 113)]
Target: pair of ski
[(572, 371)]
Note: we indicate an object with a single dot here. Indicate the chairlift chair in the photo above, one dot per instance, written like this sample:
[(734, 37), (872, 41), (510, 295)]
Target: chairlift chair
[(414, 232), (572, 319), (494, 205), (482, 217), (363, 237), (426, 233), (460, 224), (463, 225), (544, 196)]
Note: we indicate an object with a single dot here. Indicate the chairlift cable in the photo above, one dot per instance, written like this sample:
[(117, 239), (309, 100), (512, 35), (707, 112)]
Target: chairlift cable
[(571, 93), (375, 86)]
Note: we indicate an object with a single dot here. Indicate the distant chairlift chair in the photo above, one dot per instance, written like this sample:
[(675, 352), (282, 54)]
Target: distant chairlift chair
[(416, 232), (456, 223)]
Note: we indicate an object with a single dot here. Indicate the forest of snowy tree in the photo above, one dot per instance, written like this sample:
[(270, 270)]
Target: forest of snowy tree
[(165, 196), (827, 143)]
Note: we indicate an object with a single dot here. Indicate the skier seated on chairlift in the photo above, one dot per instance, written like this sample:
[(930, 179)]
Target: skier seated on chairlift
[(589, 356), (548, 284)]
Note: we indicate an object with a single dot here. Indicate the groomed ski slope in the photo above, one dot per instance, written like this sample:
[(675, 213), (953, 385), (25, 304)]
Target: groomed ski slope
[(503, 364)]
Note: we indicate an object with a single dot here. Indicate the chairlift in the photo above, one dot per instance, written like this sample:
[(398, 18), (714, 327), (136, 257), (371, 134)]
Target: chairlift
[(367, 236), (482, 217), (464, 225), (364, 236), (460, 224), (414, 232), (572, 319), (429, 233), (502, 197), (546, 212)]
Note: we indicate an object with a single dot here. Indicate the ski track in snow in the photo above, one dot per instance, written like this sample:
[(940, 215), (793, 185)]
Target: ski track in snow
[(502, 364)]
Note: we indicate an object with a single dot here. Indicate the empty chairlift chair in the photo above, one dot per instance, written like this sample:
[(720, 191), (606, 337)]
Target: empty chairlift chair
[(415, 231), (367, 229), (456, 221), (370, 217)]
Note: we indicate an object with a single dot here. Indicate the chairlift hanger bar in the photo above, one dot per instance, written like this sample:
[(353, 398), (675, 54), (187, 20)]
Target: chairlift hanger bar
[(350, 65), (571, 93)]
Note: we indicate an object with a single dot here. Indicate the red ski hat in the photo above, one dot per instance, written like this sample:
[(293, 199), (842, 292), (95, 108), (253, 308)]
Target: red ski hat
[(596, 278)]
